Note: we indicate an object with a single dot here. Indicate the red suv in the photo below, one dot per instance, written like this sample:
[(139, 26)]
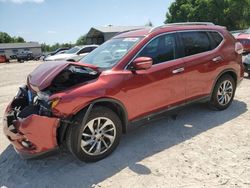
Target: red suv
[(244, 39), (135, 75)]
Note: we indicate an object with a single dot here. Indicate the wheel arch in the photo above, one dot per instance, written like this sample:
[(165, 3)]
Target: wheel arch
[(113, 104), (230, 72)]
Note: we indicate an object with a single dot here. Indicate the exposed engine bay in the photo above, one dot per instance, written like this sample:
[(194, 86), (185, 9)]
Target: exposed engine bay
[(71, 76), (28, 102)]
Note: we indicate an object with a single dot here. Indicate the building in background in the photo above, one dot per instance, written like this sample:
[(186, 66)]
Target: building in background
[(11, 49), (99, 35)]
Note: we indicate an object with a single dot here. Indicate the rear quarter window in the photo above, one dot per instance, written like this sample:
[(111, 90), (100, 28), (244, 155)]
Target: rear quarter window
[(216, 37), (195, 42)]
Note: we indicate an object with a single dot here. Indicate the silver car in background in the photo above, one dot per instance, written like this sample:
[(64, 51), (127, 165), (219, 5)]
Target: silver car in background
[(74, 54)]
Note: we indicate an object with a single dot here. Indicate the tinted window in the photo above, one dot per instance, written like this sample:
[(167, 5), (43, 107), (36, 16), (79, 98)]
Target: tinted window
[(85, 50), (217, 38), (195, 42), (161, 49)]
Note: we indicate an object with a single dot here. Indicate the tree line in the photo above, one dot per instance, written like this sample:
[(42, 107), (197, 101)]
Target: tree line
[(234, 14), (49, 48), (6, 38)]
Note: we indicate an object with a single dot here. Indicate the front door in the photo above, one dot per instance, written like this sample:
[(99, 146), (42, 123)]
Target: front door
[(161, 86)]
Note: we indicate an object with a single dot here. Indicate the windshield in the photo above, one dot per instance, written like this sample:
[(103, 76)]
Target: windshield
[(111, 52), (73, 50)]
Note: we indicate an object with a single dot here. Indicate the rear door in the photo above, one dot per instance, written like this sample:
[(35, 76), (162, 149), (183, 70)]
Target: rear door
[(201, 59)]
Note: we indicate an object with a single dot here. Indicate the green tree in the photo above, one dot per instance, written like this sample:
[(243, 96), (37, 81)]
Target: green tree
[(50, 48), (18, 39), (5, 38), (81, 40), (45, 47), (233, 14)]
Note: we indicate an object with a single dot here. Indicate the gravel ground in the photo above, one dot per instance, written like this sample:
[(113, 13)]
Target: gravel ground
[(201, 148)]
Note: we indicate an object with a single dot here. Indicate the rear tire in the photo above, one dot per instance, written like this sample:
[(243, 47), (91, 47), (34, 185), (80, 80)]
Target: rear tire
[(97, 138), (223, 93)]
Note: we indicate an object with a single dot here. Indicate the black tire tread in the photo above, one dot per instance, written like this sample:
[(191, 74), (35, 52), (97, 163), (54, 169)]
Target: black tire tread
[(213, 103)]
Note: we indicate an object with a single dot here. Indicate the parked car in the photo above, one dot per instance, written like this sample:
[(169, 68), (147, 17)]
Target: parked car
[(62, 52), (23, 56), (132, 77), (73, 54), (246, 64), (57, 51), (3, 59), (244, 39), (237, 32)]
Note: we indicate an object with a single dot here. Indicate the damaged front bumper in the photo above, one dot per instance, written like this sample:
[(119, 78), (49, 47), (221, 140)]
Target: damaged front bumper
[(32, 134)]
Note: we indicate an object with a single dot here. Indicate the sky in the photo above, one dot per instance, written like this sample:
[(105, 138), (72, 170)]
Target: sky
[(62, 21)]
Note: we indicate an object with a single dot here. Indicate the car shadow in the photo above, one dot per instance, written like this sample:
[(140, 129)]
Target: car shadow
[(63, 170)]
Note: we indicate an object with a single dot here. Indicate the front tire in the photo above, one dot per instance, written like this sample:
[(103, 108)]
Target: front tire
[(223, 93), (97, 138)]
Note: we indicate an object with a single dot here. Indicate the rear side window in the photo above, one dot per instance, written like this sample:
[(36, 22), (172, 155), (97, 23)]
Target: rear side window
[(161, 49), (195, 42), (217, 38)]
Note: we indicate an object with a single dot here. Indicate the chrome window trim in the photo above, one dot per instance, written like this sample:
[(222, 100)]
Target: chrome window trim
[(183, 31)]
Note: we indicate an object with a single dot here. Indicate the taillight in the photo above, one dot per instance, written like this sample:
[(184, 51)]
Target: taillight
[(239, 48)]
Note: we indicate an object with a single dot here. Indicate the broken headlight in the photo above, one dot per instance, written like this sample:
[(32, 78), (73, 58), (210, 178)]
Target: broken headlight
[(43, 96)]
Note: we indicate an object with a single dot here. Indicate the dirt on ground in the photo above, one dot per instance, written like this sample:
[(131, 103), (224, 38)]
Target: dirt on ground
[(201, 148)]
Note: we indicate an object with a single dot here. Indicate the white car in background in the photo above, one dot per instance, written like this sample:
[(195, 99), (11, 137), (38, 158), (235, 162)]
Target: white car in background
[(74, 54)]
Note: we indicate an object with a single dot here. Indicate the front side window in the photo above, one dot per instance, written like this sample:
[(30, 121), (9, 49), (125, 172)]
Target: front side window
[(111, 52), (195, 42), (161, 49)]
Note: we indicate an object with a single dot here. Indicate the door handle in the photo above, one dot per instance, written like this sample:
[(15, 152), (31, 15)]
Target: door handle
[(179, 70), (217, 59)]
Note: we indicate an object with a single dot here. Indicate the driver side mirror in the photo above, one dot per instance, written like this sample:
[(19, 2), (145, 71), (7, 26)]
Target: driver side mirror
[(142, 63)]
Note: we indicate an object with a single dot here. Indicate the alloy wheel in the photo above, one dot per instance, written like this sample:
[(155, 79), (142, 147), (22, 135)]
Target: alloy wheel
[(98, 136), (225, 92)]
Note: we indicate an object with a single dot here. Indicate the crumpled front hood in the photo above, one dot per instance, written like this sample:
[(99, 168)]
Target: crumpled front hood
[(44, 74)]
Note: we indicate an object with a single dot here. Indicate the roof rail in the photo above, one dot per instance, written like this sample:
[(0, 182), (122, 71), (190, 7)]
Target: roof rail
[(127, 31), (181, 24)]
